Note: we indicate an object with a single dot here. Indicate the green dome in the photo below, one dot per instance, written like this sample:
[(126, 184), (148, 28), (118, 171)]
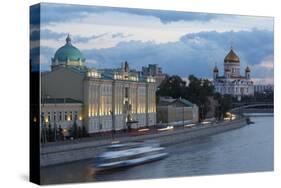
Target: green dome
[(68, 52)]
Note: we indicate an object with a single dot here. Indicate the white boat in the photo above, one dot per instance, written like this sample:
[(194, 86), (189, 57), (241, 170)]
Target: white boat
[(129, 154)]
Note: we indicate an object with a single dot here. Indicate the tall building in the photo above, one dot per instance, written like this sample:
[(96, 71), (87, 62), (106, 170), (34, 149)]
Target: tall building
[(231, 82), (155, 71), (111, 99)]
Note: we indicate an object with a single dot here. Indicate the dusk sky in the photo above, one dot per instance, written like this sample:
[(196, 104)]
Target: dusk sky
[(181, 43)]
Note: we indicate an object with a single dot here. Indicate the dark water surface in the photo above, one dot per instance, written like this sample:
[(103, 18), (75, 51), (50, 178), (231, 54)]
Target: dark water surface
[(248, 149)]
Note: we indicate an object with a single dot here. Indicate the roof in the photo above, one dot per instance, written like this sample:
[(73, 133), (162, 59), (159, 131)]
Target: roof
[(171, 101), (68, 52), (231, 57), (108, 74), (247, 69)]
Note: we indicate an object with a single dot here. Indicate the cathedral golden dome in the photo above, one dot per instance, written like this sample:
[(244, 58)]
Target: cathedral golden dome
[(231, 57)]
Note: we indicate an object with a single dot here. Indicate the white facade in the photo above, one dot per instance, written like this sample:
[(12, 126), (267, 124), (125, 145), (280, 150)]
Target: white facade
[(231, 82), (263, 88), (116, 104)]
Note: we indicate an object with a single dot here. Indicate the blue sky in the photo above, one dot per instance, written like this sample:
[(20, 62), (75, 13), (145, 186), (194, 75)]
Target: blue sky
[(182, 43)]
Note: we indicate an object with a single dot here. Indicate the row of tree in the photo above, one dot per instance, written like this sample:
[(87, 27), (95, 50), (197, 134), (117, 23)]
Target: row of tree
[(198, 91), (53, 133)]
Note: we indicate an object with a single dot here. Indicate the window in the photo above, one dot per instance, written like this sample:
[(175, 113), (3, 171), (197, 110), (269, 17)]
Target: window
[(70, 117), (126, 92), (55, 116), (60, 116), (75, 114), (65, 116)]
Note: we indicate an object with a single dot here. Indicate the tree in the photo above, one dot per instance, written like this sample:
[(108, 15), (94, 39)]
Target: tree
[(50, 133), (226, 104), (172, 86), (74, 129), (198, 91), (60, 133), (218, 108), (84, 131), (79, 132)]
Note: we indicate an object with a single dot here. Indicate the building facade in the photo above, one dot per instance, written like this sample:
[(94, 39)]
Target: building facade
[(231, 82), (61, 113), (112, 99), (263, 88), (176, 111)]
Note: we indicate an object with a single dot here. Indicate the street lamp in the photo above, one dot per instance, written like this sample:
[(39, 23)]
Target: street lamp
[(43, 130), (55, 126), (183, 116), (113, 124)]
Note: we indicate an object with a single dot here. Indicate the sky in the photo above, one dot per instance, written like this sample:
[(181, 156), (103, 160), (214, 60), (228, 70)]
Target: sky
[(182, 43)]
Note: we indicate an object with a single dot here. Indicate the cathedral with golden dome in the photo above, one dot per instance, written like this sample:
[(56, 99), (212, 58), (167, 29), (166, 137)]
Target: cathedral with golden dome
[(231, 82)]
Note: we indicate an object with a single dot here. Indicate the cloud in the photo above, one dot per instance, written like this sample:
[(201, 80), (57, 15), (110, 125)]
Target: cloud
[(45, 34), (168, 16), (70, 12), (193, 54), (182, 43), (140, 24), (264, 71)]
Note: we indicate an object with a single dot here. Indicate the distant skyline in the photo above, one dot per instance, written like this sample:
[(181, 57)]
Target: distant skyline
[(182, 43)]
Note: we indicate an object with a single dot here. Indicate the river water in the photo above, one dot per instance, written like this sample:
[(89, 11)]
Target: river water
[(247, 149)]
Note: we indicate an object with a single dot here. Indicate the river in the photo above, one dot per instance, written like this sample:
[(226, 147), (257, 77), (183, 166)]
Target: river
[(247, 149)]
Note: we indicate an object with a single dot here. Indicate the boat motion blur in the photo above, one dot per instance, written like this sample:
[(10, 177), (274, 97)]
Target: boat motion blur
[(129, 154)]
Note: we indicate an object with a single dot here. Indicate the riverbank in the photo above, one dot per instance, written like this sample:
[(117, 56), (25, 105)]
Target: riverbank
[(64, 153)]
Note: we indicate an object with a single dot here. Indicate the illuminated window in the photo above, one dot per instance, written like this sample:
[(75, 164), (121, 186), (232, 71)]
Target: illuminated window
[(70, 116), (65, 116)]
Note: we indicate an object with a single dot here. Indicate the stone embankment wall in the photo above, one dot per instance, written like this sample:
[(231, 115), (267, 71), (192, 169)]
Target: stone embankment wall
[(70, 152)]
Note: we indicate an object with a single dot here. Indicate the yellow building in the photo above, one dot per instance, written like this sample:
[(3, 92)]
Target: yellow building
[(112, 99), (176, 111)]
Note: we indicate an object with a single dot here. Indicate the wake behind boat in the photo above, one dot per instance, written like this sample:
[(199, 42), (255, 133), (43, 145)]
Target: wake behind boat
[(129, 154)]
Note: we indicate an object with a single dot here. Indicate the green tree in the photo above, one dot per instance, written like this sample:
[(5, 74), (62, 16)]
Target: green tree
[(84, 131), (172, 86), (79, 132), (198, 91), (218, 110), (226, 104), (50, 133), (74, 130)]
